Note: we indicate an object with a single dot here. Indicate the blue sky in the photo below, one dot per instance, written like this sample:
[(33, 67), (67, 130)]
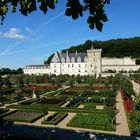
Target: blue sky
[(32, 39)]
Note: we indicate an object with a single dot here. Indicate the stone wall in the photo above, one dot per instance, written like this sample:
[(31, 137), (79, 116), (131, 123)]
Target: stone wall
[(118, 61)]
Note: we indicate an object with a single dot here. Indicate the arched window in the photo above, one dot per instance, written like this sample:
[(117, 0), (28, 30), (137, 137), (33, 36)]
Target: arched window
[(78, 59)]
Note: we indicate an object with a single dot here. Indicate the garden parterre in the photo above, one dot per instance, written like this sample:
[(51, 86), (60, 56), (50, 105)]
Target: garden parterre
[(93, 121), (87, 117), (22, 116)]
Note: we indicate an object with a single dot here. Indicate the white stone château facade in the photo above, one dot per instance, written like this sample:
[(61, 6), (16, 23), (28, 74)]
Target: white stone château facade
[(88, 63)]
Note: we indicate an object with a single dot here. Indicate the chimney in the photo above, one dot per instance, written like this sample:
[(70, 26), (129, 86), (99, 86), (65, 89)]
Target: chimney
[(67, 53), (92, 47)]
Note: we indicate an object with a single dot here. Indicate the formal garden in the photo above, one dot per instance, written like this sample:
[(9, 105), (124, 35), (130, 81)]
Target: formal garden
[(97, 112), (93, 101)]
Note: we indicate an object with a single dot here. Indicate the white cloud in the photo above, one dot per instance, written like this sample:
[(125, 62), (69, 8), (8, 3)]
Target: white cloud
[(13, 33), (28, 30), (36, 58)]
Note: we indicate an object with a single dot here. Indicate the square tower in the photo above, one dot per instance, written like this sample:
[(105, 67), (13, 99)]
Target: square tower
[(94, 61)]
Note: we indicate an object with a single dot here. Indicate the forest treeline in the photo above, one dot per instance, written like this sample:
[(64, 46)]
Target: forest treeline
[(119, 48), (5, 71)]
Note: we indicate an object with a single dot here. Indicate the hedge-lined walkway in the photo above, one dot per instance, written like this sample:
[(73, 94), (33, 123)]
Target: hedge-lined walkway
[(38, 122), (121, 120), (65, 121)]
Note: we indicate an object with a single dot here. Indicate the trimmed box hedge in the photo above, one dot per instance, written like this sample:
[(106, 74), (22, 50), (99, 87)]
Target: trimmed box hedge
[(55, 118), (37, 108), (3, 110)]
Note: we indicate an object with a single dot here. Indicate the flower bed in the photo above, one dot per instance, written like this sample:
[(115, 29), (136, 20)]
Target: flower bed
[(55, 118), (45, 86), (69, 93), (93, 121), (28, 102), (22, 116), (128, 105), (51, 101)]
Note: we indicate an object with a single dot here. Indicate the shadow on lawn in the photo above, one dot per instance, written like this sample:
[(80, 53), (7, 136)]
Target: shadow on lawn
[(23, 132)]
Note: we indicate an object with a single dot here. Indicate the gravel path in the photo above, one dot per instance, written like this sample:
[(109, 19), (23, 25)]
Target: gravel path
[(136, 87), (81, 106), (121, 120), (65, 121)]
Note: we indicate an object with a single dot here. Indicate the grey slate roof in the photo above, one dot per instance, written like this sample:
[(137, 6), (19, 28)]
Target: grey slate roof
[(81, 55), (37, 66)]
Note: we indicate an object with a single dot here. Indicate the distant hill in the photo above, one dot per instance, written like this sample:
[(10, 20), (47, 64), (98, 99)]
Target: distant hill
[(112, 48)]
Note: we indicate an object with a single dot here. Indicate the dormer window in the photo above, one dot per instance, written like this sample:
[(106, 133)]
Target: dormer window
[(78, 59), (54, 60), (85, 59), (68, 60), (63, 60), (73, 59)]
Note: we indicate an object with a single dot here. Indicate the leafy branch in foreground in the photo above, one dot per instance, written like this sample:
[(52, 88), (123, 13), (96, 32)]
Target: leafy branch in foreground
[(74, 8)]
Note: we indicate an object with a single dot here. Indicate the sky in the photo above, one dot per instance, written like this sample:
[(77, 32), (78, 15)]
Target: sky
[(32, 39)]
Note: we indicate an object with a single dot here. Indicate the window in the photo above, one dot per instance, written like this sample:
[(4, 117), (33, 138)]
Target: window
[(78, 59), (63, 60), (72, 59), (85, 65), (91, 65), (85, 70), (68, 60), (54, 70), (79, 70), (79, 65), (85, 59), (72, 65), (54, 65), (68, 65)]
